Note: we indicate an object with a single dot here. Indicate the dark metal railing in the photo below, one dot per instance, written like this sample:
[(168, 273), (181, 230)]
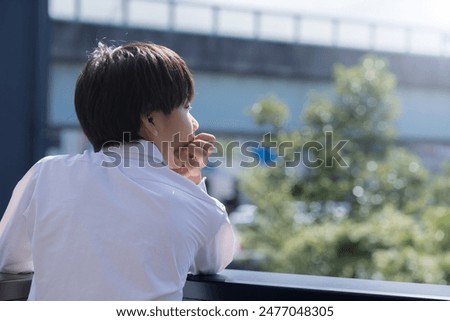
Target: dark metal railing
[(238, 285), (14, 286)]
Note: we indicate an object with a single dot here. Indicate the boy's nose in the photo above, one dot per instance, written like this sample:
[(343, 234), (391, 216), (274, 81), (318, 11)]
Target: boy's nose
[(195, 123)]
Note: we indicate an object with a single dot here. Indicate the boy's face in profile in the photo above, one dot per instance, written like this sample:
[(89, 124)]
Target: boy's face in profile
[(171, 132), (174, 135)]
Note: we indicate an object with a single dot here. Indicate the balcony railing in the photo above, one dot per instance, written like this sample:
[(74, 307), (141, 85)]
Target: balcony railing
[(275, 25), (238, 285)]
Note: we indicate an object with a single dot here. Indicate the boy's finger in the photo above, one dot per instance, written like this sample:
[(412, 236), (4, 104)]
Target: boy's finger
[(205, 137), (194, 155), (205, 145)]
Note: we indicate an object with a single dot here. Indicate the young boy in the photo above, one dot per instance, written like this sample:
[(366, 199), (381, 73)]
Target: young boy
[(130, 219)]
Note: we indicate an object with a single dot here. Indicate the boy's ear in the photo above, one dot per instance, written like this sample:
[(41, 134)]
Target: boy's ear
[(148, 129)]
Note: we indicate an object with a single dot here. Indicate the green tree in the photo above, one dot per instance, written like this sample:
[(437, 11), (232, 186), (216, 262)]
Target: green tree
[(362, 114), (439, 190), (369, 216), (270, 111), (269, 189)]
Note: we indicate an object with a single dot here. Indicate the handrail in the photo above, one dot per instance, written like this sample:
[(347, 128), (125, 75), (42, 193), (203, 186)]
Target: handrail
[(14, 286), (266, 286), (297, 32), (239, 285)]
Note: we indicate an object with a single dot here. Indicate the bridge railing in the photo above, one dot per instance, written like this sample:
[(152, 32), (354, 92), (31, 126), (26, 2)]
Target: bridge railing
[(238, 285), (226, 20)]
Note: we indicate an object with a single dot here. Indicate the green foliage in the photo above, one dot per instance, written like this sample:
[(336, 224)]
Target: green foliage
[(362, 111), (347, 248), (398, 224), (274, 210), (270, 111), (440, 187), (399, 179)]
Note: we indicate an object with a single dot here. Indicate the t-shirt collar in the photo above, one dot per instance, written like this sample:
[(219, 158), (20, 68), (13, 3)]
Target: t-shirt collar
[(142, 151)]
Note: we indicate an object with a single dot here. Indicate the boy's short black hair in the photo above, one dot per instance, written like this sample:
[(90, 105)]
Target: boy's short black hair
[(119, 85)]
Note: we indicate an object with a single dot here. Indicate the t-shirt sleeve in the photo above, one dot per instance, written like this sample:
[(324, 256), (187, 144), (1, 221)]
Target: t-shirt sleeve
[(216, 254), (15, 238)]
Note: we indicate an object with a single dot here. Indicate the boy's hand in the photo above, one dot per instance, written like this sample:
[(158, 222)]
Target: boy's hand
[(190, 159)]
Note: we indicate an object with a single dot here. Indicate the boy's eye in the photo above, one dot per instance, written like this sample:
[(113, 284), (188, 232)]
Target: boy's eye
[(188, 107)]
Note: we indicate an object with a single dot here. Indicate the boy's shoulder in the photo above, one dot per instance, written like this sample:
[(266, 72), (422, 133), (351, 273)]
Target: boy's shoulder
[(53, 162), (54, 159)]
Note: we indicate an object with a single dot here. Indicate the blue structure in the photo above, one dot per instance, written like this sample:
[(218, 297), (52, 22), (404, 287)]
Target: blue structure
[(23, 87)]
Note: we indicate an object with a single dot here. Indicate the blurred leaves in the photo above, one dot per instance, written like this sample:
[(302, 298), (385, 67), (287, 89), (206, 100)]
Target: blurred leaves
[(274, 208), (398, 223), (270, 111)]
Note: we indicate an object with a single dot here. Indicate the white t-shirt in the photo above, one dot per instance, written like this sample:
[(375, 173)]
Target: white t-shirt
[(117, 225)]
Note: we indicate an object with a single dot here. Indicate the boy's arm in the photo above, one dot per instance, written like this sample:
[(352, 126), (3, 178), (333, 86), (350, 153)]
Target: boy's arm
[(15, 240), (214, 256), (217, 254)]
